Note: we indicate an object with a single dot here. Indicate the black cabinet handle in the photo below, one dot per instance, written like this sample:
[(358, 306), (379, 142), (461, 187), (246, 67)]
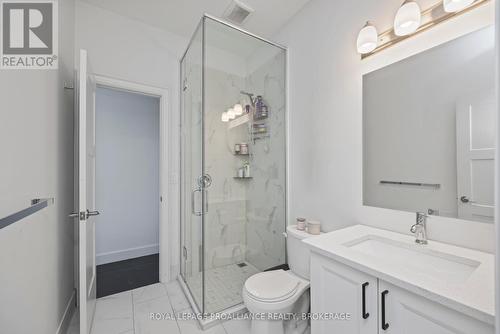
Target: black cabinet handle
[(363, 300), (385, 325)]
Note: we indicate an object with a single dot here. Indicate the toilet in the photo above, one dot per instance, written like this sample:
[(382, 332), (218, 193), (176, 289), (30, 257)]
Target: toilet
[(272, 296)]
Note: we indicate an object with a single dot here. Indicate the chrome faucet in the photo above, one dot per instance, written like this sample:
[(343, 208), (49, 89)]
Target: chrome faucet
[(419, 229)]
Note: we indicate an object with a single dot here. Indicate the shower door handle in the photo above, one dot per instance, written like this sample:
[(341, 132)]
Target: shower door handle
[(205, 201), (193, 203)]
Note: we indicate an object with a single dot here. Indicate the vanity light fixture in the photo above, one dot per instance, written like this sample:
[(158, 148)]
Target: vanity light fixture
[(238, 109), (408, 18), (453, 6), (225, 117), (367, 39)]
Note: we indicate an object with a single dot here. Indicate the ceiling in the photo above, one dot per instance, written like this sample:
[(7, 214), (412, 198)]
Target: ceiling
[(181, 16)]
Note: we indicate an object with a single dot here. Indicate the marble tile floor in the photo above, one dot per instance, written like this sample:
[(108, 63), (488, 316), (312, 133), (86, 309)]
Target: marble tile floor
[(223, 286), (130, 313)]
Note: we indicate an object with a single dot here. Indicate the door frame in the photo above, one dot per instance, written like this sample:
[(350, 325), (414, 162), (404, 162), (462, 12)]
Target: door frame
[(165, 231)]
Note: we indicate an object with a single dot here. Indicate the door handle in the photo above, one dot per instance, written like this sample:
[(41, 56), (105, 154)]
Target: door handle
[(466, 200), (92, 213), (363, 301), (80, 215), (193, 206), (84, 214), (385, 325)]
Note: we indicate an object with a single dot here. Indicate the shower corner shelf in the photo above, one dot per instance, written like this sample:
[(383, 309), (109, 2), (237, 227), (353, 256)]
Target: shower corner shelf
[(239, 121), (241, 154), (243, 178), (260, 118)]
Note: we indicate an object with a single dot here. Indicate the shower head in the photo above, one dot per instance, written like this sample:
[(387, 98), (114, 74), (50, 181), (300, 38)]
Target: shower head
[(250, 96)]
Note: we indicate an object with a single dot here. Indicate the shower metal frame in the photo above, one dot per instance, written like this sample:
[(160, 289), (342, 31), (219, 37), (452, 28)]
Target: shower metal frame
[(238, 308)]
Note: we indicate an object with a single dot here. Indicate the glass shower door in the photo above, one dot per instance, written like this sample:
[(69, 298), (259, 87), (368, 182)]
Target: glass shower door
[(240, 159), (192, 169)]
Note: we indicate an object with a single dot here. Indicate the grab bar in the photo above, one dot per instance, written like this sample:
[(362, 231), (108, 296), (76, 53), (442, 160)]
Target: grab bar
[(37, 204), (414, 184)]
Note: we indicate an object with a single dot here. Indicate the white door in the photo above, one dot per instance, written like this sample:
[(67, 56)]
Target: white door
[(86, 194), (404, 312), (476, 135), (337, 289)]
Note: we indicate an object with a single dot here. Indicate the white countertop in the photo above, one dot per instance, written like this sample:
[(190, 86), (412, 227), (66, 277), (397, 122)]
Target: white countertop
[(475, 296)]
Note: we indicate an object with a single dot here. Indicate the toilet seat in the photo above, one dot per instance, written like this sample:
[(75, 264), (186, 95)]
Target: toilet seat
[(272, 286)]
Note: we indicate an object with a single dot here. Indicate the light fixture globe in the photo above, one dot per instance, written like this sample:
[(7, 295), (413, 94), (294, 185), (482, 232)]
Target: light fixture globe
[(231, 114), (238, 109), (225, 117), (367, 39), (452, 6), (408, 18)]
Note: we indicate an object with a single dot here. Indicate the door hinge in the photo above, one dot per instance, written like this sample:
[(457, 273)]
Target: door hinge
[(184, 252)]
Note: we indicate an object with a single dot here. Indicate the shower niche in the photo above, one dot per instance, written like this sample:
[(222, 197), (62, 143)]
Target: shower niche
[(233, 163)]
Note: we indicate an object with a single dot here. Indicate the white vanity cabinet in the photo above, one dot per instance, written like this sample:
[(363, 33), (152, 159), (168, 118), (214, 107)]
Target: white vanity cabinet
[(382, 308), (337, 289)]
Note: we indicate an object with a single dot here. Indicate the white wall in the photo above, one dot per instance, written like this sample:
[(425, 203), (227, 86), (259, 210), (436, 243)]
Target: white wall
[(497, 176), (127, 175), (36, 143), (130, 50), (325, 105)]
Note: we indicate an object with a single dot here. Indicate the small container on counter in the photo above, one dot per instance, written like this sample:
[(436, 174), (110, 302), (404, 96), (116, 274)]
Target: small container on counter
[(301, 224), (237, 148), (313, 227)]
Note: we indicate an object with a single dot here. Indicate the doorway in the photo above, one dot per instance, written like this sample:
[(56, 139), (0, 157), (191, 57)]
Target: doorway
[(127, 190)]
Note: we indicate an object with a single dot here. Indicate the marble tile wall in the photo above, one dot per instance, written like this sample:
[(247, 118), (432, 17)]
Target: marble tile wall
[(246, 218), (225, 220), (266, 193)]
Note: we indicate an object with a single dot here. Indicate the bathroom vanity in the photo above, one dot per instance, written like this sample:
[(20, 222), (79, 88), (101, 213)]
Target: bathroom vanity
[(367, 280)]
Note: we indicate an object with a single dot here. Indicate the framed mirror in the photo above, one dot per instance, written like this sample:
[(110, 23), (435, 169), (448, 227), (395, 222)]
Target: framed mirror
[(429, 128)]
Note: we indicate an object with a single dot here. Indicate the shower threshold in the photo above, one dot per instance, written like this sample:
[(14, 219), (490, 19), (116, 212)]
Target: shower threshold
[(223, 298)]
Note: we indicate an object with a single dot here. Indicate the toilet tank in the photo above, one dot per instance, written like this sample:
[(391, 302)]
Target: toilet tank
[(298, 252)]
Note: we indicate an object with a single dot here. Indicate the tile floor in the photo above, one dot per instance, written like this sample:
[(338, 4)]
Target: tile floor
[(129, 313), (223, 286)]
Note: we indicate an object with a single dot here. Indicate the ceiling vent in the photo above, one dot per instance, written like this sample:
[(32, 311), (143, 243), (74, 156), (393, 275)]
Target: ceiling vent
[(237, 12)]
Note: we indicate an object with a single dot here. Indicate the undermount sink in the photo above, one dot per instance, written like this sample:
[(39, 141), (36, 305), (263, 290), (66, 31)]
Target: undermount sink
[(426, 263)]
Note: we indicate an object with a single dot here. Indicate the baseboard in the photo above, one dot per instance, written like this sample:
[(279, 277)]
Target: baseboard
[(126, 254), (68, 314)]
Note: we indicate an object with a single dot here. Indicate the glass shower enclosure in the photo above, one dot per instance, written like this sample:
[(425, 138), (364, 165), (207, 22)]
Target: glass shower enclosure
[(233, 162)]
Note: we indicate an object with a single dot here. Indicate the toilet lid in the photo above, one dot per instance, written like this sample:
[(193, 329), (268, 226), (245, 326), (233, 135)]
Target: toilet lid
[(272, 285)]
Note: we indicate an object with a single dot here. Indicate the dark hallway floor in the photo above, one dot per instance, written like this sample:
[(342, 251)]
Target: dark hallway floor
[(127, 275)]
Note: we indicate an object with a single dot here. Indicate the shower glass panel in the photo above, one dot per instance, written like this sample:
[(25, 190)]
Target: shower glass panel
[(191, 168), (241, 174)]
